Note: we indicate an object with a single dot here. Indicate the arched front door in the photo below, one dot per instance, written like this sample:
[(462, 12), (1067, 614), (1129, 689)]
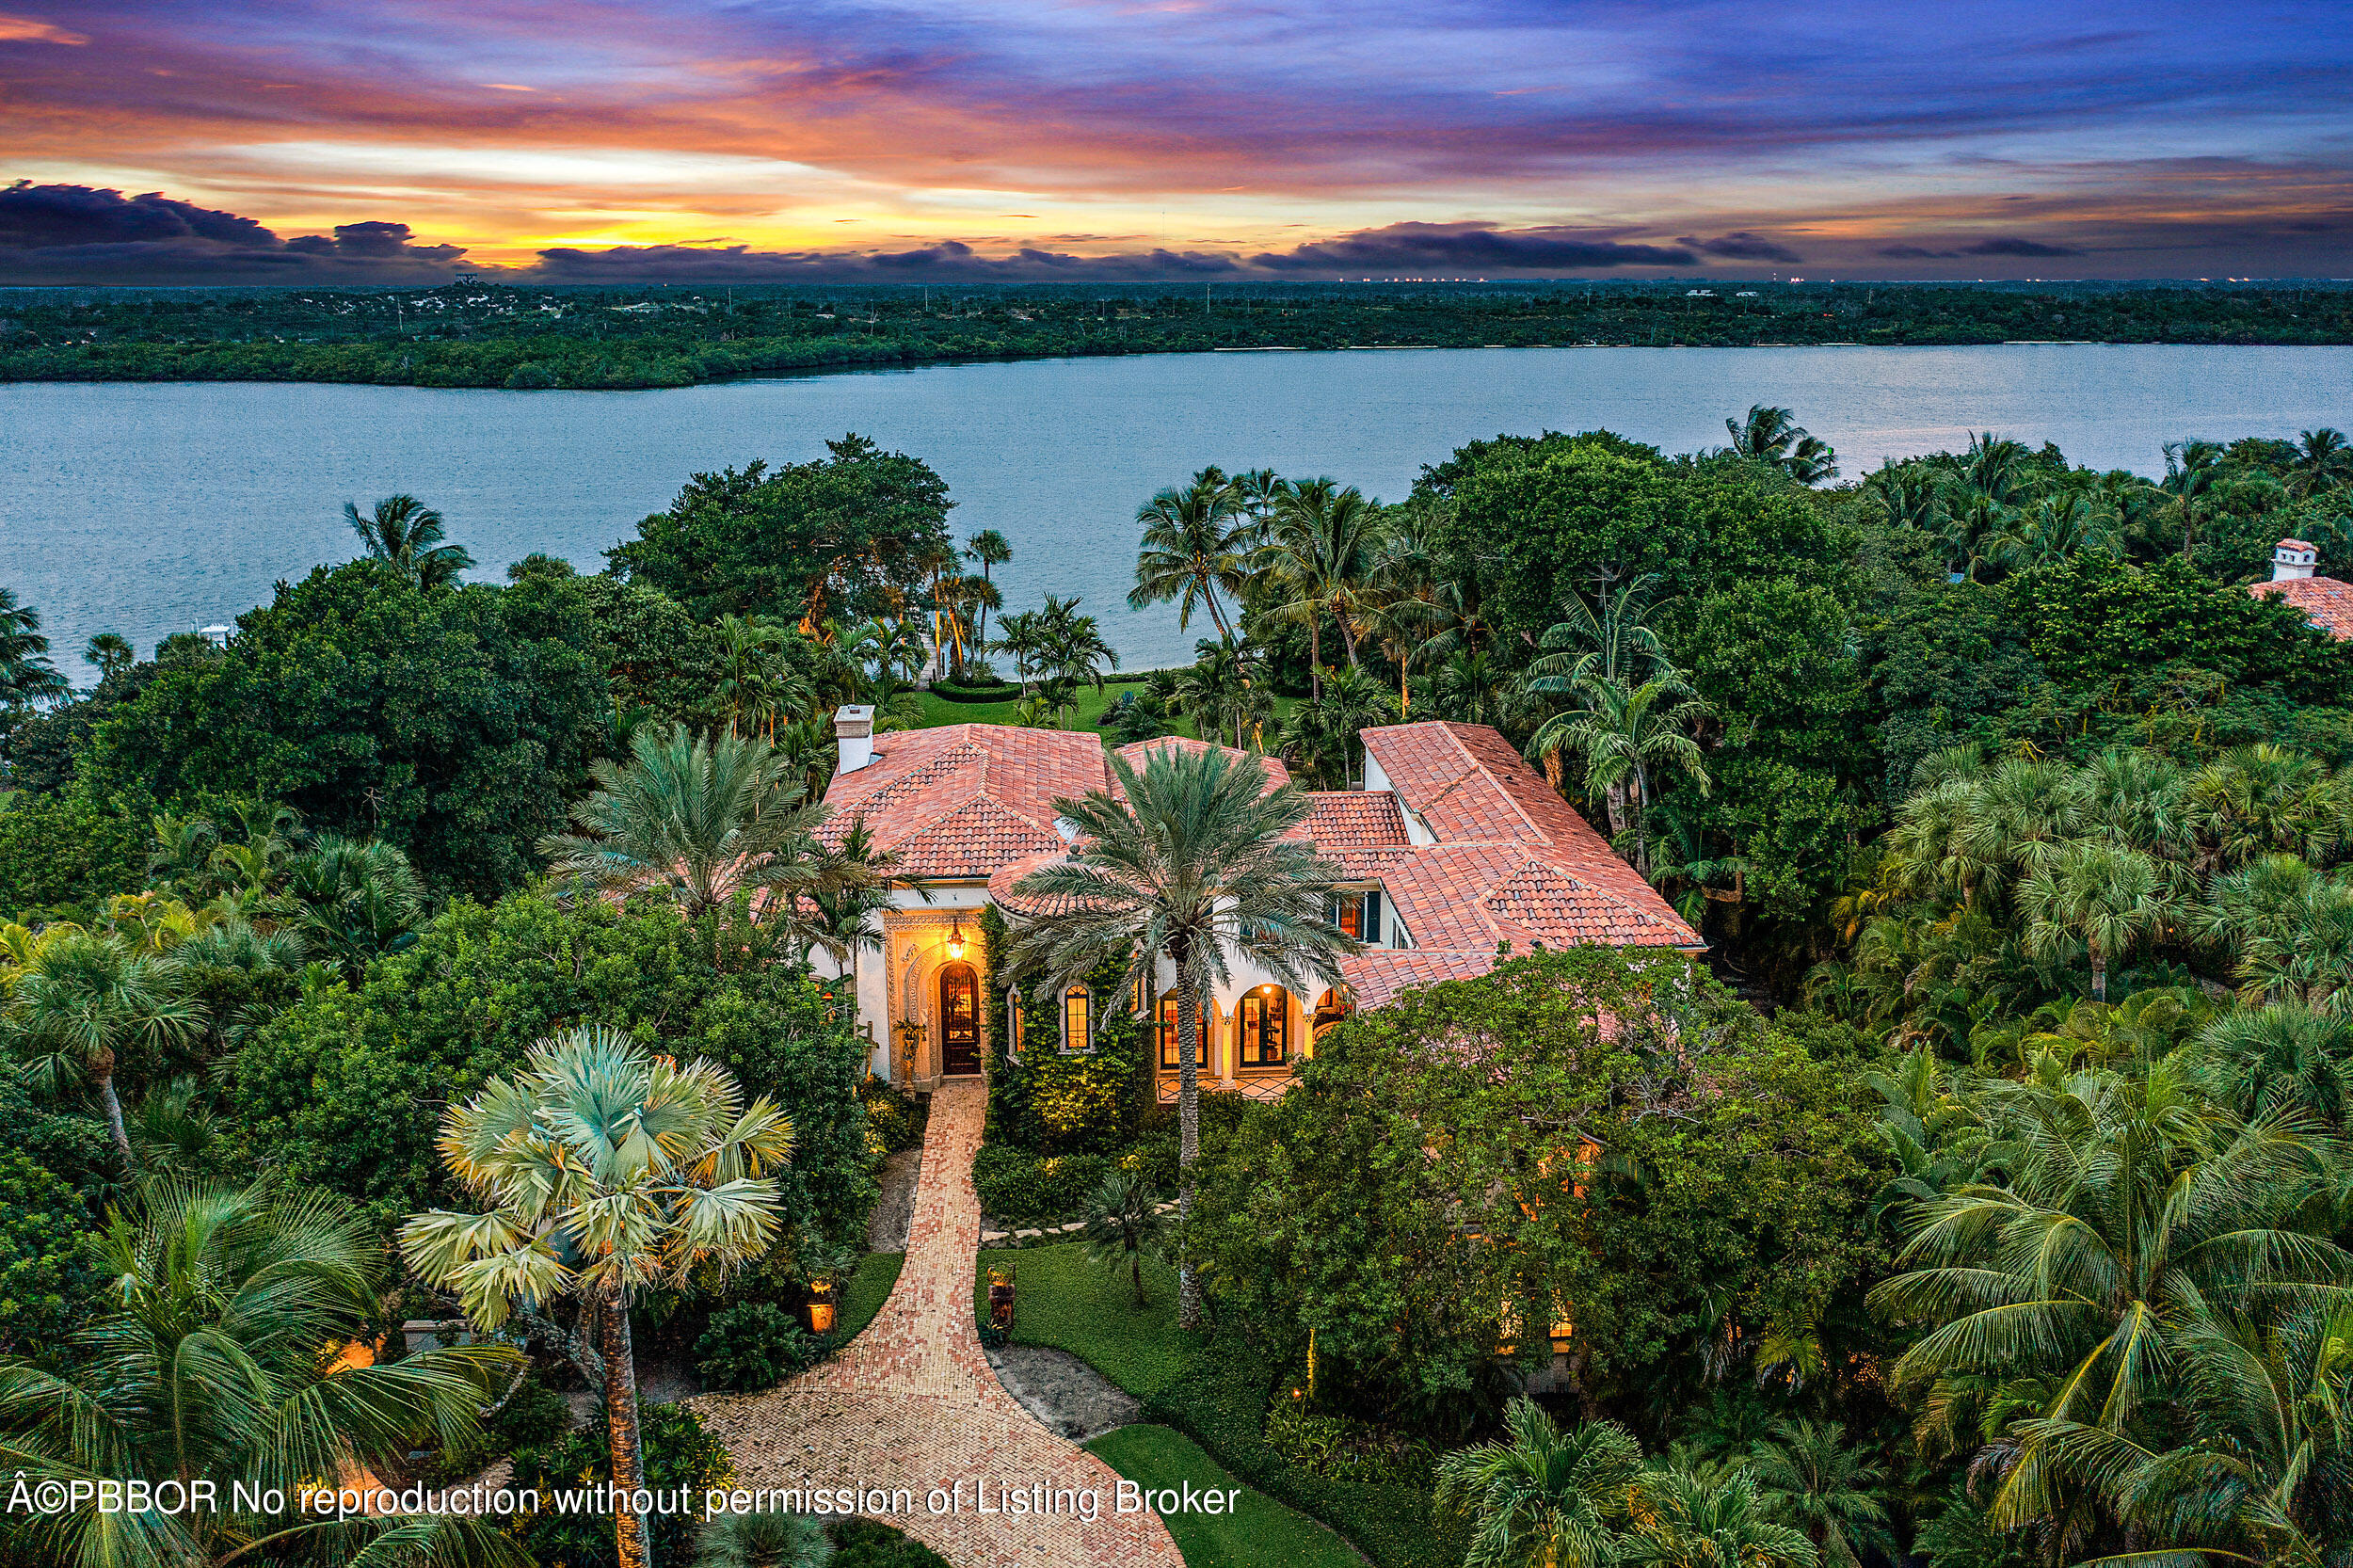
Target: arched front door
[(960, 1021)]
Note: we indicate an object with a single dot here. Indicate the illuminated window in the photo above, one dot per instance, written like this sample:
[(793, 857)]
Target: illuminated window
[(1077, 1023), (1169, 1036), (1358, 916), (1264, 1023)]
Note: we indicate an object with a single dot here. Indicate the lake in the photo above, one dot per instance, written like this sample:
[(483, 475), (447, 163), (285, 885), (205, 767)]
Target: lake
[(153, 508)]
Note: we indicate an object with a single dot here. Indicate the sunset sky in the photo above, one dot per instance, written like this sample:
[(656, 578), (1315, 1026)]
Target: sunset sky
[(1313, 138)]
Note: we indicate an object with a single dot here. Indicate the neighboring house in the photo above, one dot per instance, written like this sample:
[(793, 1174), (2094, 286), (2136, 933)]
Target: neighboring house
[(2327, 602), (1453, 846)]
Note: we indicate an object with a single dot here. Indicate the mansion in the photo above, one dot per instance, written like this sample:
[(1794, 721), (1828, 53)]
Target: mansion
[(1453, 846)]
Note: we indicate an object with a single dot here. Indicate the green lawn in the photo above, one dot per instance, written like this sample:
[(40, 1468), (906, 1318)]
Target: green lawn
[(1260, 1531), (864, 1294), (1066, 1302)]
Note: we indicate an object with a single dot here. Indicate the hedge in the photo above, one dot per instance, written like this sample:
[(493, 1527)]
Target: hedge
[(1018, 1187), (1005, 691), (1221, 1404)]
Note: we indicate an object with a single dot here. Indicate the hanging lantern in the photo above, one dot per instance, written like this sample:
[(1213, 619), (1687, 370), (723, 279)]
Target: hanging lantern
[(955, 936), (821, 1305)]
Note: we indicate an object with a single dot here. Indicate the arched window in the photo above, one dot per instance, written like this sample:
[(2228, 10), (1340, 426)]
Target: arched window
[(1078, 1019), (1262, 1025), (1168, 1035), (1012, 1023)]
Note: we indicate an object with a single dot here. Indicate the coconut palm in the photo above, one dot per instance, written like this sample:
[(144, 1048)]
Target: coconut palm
[(1628, 736), (84, 1000), (1075, 647), (1317, 553), (1023, 635), (217, 1359), (1807, 1475), (1196, 538), (2195, 473), (1686, 1518), (603, 1169), (407, 535), (109, 651), (1184, 863), (26, 676), (1774, 436), (1544, 1498), (1223, 693), (2096, 896), (1123, 1223), (1323, 734), (764, 1539), (2323, 459), (2124, 1194), (704, 818)]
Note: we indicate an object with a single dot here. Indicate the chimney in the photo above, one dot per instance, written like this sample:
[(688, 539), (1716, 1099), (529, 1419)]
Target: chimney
[(2293, 560), (853, 733)]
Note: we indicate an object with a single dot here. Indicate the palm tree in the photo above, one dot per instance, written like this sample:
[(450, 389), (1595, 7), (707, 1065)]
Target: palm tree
[(1184, 863), (109, 651), (218, 1359), (2100, 897), (1023, 635), (1687, 1519), (704, 818), (604, 1169), (763, 1539), (1220, 694), (1325, 732), (1076, 649), (1616, 645), (2194, 471), (2322, 458), (1318, 551), (1123, 1223), (354, 902), (1627, 735), (83, 1001), (1774, 436), (2275, 1060), (26, 676), (1195, 543), (1544, 1498), (1806, 1473), (746, 643), (2123, 1195), (407, 535)]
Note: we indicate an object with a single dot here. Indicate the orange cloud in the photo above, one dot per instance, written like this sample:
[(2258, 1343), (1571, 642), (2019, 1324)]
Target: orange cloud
[(25, 29)]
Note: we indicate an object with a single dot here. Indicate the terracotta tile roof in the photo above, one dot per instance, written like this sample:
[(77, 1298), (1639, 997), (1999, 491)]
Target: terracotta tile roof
[(2326, 601), (1136, 754), (961, 800), (1472, 896), (1377, 975), (1471, 787), (1340, 820)]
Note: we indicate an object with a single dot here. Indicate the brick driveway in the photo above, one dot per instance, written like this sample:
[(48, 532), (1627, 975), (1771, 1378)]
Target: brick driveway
[(912, 1402)]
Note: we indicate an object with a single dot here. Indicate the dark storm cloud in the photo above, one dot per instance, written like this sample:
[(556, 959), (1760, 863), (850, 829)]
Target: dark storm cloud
[(1423, 248), (84, 235), (1742, 245), (2005, 246)]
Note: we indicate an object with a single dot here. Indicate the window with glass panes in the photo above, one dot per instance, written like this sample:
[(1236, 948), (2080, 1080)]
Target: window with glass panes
[(1077, 1019), (1262, 1025)]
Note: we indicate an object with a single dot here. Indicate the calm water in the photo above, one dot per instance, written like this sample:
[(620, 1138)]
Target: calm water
[(148, 509)]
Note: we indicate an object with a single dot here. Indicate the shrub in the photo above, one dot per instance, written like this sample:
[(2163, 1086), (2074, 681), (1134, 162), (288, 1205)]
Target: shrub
[(46, 1288), (893, 1119), (679, 1453), (752, 1346), (532, 1416), (61, 853), (1340, 1448), (1020, 1189), (867, 1544), (1004, 691)]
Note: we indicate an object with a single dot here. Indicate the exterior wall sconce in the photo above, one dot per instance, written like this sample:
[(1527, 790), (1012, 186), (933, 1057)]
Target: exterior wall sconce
[(955, 936)]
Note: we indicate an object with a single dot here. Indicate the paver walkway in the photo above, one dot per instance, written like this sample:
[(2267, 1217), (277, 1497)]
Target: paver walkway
[(913, 1403)]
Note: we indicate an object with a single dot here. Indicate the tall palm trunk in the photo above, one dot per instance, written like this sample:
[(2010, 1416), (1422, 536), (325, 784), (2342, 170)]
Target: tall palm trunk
[(1315, 658), (102, 1069), (2099, 971), (1188, 1133), (631, 1531)]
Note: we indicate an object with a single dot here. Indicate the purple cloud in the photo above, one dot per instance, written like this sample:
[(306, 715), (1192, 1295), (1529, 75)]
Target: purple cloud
[(82, 235)]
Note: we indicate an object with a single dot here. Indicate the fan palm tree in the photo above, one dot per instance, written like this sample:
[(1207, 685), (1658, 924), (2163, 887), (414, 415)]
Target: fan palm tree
[(704, 818), (1184, 863), (83, 1001), (109, 651), (26, 676), (2292, 927), (354, 902), (407, 535), (2097, 897), (1687, 1519), (1196, 538), (218, 1359), (1806, 1473), (2274, 1060), (2125, 1194), (1544, 1498), (604, 1169), (1318, 551), (1123, 1223)]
